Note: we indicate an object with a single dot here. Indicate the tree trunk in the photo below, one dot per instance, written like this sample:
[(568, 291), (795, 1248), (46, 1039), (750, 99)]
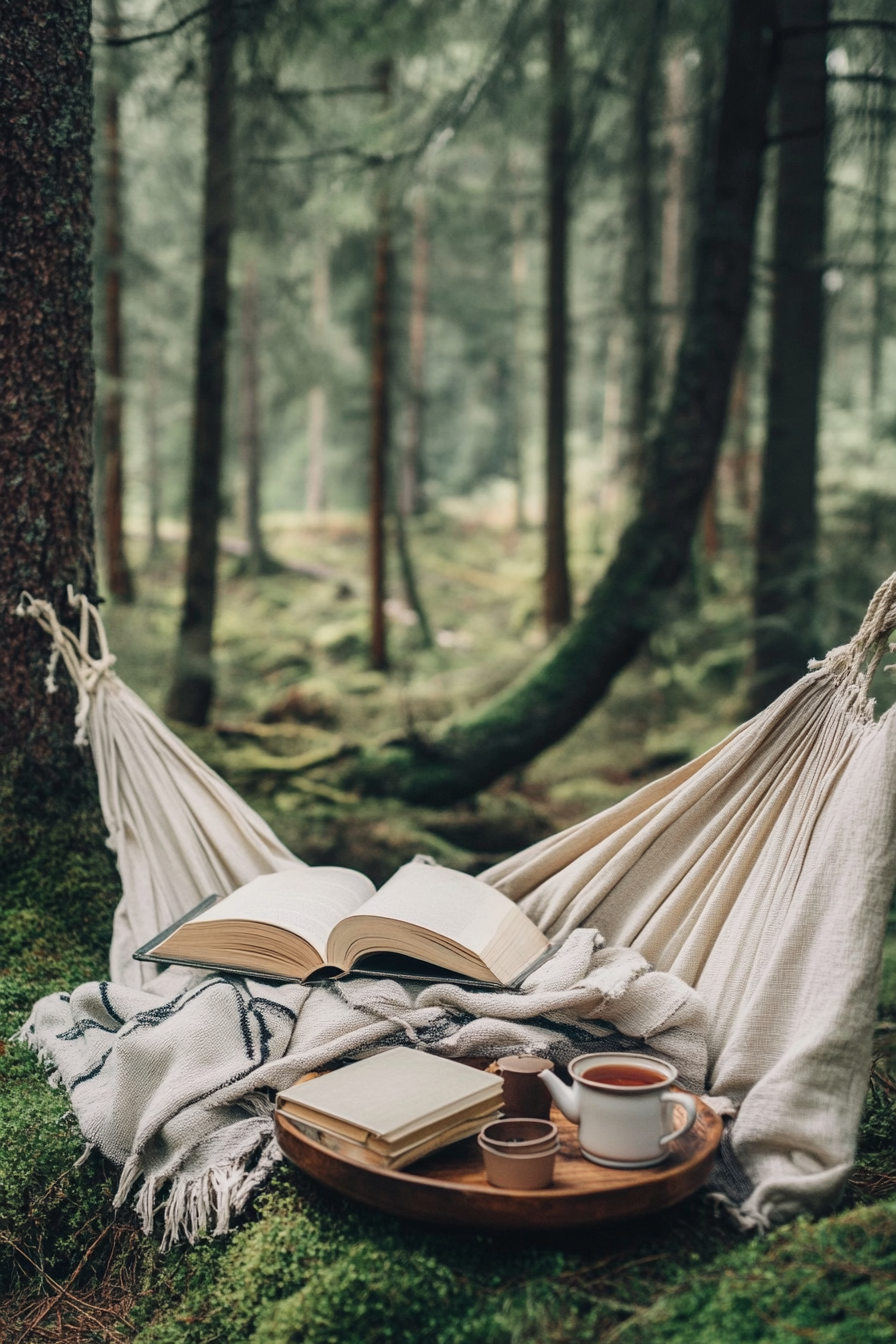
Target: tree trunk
[(556, 573), (785, 562), (154, 465), (519, 273), (655, 548), (880, 189), (250, 427), (190, 696), (643, 242), (379, 410), (315, 480), (411, 499), (118, 573), (47, 390), (671, 270)]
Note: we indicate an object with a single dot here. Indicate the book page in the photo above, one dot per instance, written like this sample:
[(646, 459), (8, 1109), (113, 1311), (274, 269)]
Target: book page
[(305, 901), (453, 905)]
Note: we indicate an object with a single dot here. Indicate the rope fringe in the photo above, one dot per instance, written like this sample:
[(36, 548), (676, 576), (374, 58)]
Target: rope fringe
[(85, 671)]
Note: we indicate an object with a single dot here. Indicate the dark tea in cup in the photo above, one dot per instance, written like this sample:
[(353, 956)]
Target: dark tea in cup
[(623, 1075)]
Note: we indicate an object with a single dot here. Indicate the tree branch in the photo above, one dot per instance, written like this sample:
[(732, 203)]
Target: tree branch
[(157, 32)]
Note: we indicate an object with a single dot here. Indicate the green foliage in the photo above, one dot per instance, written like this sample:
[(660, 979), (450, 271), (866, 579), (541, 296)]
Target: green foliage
[(833, 1282)]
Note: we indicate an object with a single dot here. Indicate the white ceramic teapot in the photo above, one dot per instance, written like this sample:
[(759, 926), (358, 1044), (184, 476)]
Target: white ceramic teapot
[(623, 1107)]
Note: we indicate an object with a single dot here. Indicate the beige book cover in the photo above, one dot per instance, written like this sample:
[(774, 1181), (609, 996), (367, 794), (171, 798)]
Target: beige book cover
[(391, 1095), (480, 1109)]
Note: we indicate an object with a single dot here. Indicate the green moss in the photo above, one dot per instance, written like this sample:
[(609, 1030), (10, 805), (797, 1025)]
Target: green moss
[(833, 1282), (305, 1265)]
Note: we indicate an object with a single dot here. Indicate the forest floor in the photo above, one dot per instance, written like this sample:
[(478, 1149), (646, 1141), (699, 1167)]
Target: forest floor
[(294, 694)]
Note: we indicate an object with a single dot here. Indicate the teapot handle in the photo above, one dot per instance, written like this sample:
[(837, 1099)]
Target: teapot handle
[(690, 1105)]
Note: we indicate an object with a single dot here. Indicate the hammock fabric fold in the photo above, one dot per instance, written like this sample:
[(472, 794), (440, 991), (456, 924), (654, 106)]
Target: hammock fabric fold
[(760, 875)]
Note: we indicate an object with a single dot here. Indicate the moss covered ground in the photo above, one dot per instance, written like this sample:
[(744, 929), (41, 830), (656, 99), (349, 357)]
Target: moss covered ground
[(304, 1266)]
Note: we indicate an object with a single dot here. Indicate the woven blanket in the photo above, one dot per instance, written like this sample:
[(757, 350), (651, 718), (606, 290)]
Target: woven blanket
[(180, 1093)]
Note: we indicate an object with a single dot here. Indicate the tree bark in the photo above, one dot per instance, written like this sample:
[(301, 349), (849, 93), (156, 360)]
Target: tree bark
[(411, 499), (118, 572), (643, 236), (153, 463), (47, 390), (315, 481), (655, 548), (256, 560), (557, 603), (519, 274), (880, 188), (671, 270), (190, 696), (784, 601), (380, 410)]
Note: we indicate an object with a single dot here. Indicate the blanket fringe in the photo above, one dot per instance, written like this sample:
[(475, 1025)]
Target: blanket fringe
[(206, 1201)]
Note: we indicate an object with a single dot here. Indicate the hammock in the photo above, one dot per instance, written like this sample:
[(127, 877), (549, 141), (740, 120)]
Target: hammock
[(760, 874)]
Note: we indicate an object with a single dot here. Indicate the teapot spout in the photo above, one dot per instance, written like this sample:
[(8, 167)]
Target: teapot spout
[(564, 1096)]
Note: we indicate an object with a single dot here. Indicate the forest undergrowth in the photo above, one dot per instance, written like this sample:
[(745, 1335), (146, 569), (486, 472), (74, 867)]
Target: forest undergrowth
[(305, 1265)]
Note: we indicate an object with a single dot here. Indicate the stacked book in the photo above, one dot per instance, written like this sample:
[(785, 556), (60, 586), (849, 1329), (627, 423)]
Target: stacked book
[(394, 1108)]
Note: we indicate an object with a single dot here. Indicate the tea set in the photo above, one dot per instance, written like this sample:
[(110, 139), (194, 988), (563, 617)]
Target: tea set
[(621, 1102)]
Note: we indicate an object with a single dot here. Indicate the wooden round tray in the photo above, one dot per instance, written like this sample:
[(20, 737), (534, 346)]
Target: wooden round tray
[(450, 1188)]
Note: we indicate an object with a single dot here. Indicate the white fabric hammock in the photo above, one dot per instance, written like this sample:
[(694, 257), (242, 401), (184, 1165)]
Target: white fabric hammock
[(178, 832), (759, 874)]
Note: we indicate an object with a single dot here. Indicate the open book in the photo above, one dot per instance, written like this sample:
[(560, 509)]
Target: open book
[(424, 921)]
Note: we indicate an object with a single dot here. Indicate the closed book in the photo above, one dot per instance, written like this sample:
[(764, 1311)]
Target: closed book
[(480, 1112), (403, 1157), (393, 1097)]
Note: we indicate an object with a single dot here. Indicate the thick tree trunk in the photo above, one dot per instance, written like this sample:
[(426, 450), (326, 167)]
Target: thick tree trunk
[(655, 548), (117, 570), (642, 245), (191, 694), (315, 480), (785, 547), (411, 498), (46, 393), (380, 410), (557, 603)]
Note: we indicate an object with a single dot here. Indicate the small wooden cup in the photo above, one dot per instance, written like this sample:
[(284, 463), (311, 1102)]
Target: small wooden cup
[(524, 1092)]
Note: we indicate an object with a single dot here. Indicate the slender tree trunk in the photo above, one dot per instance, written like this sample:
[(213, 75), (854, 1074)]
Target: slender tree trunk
[(519, 274), (785, 560), (642, 244), (411, 498), (380, 410), (154, 465), (315, 492), (671, 268), (46, 393), (739, 425), (557, 603), (611, 433), (190, 696), (118, 572), (655, 548), (250, 427), (880, 188)]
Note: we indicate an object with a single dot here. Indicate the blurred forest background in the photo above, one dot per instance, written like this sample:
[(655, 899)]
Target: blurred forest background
[(496, 403), (401, 177)]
